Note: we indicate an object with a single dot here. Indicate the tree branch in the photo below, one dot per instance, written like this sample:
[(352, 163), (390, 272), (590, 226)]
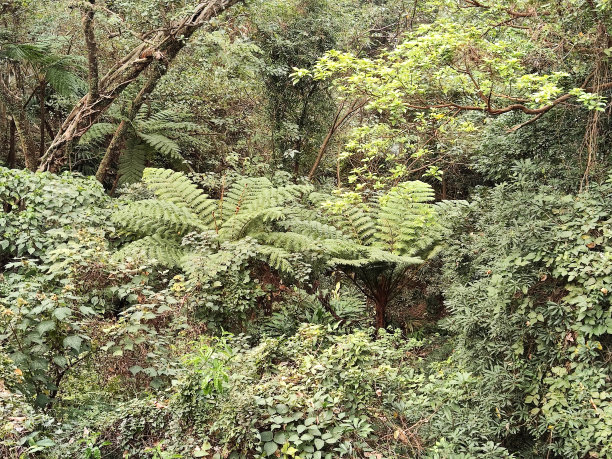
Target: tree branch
[(168, 43)]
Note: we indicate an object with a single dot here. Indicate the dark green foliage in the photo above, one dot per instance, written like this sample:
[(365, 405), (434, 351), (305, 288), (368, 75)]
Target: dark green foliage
[(31, 223), (528, 281)]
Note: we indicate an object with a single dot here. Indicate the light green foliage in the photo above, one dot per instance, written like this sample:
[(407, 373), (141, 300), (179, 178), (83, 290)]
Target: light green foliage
[(458, 63), (246, 208)]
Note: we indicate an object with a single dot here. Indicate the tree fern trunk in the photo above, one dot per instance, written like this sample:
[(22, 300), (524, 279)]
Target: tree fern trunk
[(380, 305), (42, 97)]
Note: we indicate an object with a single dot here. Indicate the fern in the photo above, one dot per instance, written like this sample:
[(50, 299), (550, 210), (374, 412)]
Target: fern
[(403, 214), (97, 134), (162, 144), (290, 241), (240, 224), (160, 218), (175, 187), (278, 258), (166, 252), (132, 163), (386, 238)]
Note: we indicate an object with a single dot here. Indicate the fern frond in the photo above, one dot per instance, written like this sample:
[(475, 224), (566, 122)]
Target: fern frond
[(154, 217), (160, 116), (167, 127), (357, 222), (96, 134), (313, 229), (292, 242), (132, 163), (241, 195), (277, 258), (163, 145), (239, 225), (166, 252), (175, 187), (404, 215)]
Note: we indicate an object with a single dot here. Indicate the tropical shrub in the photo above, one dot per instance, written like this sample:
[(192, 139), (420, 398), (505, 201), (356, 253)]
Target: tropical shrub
[(528, 278)]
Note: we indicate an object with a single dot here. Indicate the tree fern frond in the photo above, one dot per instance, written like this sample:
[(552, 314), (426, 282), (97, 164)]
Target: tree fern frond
[(155, 217), (175, 187), (278, 258), (96, 134), (132, 163), (167, 127), (238, 225), (241, 195), (163, 145), (357, 222), (64, 81), (404, 215), (293, 242), (313, 229), (165, 251)]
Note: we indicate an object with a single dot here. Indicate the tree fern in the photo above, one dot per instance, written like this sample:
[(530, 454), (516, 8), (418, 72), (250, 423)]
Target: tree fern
[(132, 163), (377, 243), (96, 135), (166, 252), (175, 187), (159, 218)]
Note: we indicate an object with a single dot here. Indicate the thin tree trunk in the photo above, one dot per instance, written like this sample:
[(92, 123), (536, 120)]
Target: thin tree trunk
[(30, 152), (337, 124), (42, 97), (112, 152), (12, 158), (165, 45), (92, 51)]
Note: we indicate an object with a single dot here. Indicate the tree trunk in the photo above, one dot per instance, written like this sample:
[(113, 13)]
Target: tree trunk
[(42, 97), (380, 305), (112, 152), (92, 51), (12, 158), (22, 127), (165, 45)]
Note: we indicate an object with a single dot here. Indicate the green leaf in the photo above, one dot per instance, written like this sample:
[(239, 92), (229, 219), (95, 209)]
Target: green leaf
[(280, 438), (73, 341), (45, 442), (62, 313), (45, 326), (270, 448)]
